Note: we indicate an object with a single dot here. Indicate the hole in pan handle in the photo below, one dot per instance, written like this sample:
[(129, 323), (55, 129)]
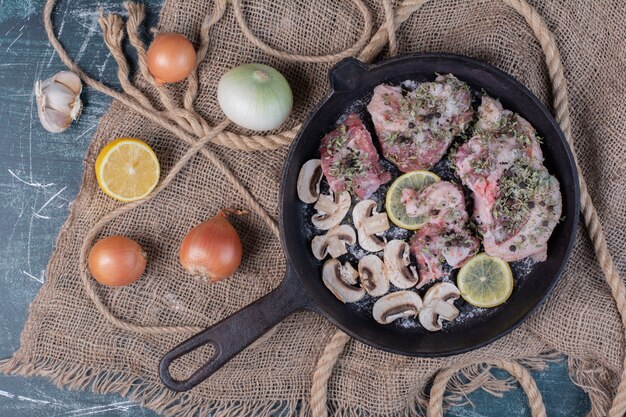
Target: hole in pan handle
[(234, 333), (346, 74)]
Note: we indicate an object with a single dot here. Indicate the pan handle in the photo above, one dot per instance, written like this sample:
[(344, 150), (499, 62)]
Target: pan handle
[(233, 334)]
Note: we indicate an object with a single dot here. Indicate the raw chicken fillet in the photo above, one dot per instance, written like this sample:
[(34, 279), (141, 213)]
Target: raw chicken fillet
[(517, 203), (445, 236), (416, 128), (350, 161)]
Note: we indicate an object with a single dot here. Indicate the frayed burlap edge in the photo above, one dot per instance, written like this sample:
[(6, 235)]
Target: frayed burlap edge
[(160, 399), (147, 393)]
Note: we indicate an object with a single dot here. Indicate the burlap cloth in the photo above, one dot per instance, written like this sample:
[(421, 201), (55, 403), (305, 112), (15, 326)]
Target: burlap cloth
[(80, 334)]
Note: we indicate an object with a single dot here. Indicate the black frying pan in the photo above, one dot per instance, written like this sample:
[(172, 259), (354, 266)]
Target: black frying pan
[(351, 85)]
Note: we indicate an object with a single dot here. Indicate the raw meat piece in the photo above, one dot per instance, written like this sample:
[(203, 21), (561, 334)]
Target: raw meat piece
[(350, 161), (445, 236), (416, 129), (442, 199), (517, 203)]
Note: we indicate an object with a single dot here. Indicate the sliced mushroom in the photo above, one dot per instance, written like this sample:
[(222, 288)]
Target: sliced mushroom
[(368, 224), (397, 305), (396, 257), (333, 242), (372, 275), (334, 275), (439, 306), (309, 180), (331, 210)]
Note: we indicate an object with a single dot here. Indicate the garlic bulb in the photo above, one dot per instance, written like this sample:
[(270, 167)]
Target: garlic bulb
[(58, 100)]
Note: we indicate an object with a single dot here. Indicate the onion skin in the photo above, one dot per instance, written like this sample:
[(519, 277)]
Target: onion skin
[(116, 261), (212, 249), (171, 58)]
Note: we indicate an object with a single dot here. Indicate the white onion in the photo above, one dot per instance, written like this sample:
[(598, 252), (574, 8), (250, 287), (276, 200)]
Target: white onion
[(255, 96)]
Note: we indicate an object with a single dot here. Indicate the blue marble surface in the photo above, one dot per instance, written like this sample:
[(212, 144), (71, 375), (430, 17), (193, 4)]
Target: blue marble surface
[(40, 175)]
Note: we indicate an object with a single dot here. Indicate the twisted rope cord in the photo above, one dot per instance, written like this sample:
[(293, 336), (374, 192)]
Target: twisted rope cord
[(288, 56), (210, 20), (136, 16), (112, 27), (390, 25), (381, 37), (537, 408), (249, 143), (323, 370), (592, 221)]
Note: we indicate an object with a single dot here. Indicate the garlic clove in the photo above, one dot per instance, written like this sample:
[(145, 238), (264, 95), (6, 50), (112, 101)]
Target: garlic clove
[(41, 85), (58, 97), (70, 80), (76, 109), (54, 121), (58, 100)]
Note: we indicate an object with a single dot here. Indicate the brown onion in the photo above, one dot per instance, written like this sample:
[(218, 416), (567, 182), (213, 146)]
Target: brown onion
[(213, 248), (116, 261), (171, 58)]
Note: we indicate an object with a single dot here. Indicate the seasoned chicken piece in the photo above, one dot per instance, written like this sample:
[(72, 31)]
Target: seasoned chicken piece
[(517, 203), (442, 199), (416, 129), (523, 223), (350, 161), (445, 236)]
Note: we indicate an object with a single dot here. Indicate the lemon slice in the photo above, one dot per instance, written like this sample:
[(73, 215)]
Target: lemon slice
[(127, 169), (415, 180), (485, 281)]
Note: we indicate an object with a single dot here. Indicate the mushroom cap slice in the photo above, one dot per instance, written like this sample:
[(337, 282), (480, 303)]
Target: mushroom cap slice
[(309, 180), (372, 275), (397, 305), (439, 306), (332, 275), (368, 223), (333, 242), (331, 209), (396, 257)]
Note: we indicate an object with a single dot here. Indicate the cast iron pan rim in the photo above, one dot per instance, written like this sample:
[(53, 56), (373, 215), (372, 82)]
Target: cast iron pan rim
[(319, 307)]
